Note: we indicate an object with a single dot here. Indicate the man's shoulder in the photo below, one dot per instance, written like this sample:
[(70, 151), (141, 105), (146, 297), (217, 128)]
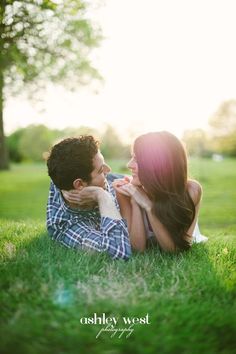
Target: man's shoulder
[(112, 176)]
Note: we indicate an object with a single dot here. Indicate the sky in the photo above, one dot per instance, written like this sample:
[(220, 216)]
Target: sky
[(166, 64)]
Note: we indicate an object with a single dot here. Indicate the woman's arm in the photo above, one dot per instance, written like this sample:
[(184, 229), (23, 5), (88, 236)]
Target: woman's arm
[(162, 235), (132, 212), (195, 192), (141, 199), (125, 207), (138, 238)]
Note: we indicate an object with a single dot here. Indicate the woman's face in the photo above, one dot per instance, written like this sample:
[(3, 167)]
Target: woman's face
[(133, 166)]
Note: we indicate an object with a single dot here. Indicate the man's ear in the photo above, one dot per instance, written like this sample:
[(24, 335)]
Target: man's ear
[(79, 184)]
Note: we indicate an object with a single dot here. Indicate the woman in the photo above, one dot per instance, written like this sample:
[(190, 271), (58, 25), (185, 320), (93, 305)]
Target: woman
[(160, 203)]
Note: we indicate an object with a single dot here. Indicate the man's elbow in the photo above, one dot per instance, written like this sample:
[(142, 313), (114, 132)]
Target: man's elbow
[(124, 254)]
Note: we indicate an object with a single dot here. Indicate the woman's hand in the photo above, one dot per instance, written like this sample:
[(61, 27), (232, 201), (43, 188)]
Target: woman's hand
[(138, 195), (119, 183)]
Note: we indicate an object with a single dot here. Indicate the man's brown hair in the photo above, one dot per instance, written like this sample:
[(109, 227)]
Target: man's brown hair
[(70, 159)]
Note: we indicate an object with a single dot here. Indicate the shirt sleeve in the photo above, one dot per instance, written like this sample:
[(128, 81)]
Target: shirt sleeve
[(112, 238)]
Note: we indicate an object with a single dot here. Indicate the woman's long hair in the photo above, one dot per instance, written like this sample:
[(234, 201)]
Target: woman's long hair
[(162, 170)]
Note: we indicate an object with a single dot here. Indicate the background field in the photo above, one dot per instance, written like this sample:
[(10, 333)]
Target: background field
[(46, 289)]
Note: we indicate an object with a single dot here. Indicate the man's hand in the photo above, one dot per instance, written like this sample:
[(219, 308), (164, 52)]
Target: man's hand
[(87, 197)]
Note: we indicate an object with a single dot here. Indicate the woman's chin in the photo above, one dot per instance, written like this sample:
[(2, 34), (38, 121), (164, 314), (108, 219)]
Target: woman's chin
[(136, 182)]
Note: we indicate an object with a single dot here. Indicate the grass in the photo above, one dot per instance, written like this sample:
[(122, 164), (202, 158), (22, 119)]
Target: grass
[(46, 289)]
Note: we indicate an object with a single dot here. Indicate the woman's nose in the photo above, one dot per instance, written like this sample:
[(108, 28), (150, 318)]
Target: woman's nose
[(130, 164)]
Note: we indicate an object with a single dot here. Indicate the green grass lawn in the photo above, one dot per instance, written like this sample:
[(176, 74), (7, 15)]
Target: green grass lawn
[(46, 290)]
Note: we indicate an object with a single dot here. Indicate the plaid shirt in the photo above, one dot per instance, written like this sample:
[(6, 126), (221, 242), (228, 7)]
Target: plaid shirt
[(86, 229)]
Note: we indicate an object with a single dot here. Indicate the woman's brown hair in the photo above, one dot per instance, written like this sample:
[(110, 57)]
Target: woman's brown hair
[(162, 170)]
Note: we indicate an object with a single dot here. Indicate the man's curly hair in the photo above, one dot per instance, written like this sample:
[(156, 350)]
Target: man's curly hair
[(70, 159)]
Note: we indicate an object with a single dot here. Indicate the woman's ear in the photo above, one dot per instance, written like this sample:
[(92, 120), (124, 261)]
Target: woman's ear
[(79, 184)]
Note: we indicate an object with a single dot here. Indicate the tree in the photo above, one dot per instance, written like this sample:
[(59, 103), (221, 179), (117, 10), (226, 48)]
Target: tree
[(197, 142), (223, 126), (13, 144), (111, 145), (36, 140), (43, 40)]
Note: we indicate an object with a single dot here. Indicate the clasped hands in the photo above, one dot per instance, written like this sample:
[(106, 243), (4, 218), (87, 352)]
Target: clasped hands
[(137, 194), (88, 197)]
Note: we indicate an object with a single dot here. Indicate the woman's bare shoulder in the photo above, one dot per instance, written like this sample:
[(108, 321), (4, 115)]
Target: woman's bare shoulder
[(195, 190)]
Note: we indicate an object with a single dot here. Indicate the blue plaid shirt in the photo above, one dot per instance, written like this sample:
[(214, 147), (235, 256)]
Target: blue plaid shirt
[(86, 229)]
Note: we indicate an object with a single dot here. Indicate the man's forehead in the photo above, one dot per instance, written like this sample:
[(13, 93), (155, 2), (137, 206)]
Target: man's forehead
[(98, 159)]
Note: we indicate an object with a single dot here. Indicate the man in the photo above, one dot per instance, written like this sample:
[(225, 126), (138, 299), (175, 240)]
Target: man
[(92, 220)]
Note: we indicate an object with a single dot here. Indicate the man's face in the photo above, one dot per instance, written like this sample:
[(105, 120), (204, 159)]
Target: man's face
[(100, 171)]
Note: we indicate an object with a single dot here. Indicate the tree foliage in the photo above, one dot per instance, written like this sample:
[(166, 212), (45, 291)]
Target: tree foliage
[(46, 40), (111, 146), (223, 128), (42, 40), (33, 142), (13, 143), (197, 142)]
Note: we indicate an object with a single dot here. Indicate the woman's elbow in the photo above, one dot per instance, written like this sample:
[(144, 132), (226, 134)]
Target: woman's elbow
[(139, 247), (169, 248)]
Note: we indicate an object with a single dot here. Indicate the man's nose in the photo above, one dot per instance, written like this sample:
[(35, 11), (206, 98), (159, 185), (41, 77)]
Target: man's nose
[(107, 169)]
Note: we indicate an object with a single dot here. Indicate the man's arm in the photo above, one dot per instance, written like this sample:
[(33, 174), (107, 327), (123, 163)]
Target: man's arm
[(111, 237)]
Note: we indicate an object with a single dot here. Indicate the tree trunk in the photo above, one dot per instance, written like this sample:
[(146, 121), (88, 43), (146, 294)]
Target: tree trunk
[(4, 162)]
